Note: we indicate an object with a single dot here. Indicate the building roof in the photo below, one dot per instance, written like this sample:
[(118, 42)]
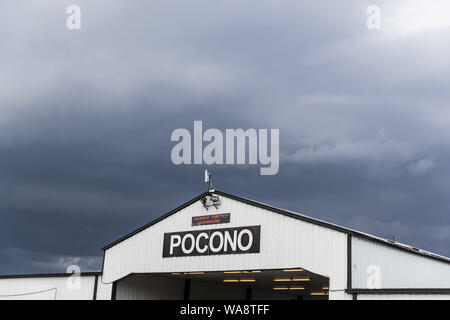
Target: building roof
[(294, 215)]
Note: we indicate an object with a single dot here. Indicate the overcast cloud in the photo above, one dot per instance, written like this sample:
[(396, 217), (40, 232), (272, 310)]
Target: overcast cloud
[(86, 117)]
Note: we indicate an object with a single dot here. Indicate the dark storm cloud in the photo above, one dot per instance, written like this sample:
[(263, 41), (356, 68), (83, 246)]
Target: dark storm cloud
[(87, 117)]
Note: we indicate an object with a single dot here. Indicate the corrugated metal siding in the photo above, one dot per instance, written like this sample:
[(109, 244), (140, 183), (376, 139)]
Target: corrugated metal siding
[(285, 242), (403, 297), (51, 288), (103, 289), (399, 269)]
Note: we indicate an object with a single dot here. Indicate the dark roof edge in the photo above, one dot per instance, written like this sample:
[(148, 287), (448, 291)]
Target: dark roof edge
[(48, 275), (400, 291), (289, 214), (156, 220)]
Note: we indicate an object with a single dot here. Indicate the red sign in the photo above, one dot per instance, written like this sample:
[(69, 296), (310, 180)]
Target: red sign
[(211, 219)]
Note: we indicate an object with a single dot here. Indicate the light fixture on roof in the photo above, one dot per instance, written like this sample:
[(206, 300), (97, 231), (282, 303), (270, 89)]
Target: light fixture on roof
[(210, 200)]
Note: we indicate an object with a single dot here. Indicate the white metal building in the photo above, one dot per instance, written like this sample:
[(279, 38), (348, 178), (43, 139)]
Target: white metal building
[(220, 246)]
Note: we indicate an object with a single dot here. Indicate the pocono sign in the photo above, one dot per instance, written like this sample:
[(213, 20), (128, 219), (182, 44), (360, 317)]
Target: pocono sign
[(212, 242)]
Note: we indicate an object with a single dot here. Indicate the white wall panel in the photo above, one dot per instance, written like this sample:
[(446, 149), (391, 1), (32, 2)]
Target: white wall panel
[(339, 295), (103, 289), (285, 242), (399, 269), (46, 288)]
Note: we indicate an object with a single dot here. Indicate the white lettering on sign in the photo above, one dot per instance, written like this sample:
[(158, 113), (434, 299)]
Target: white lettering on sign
[(175, 241), (250, 240), (232, 241), (192, 242), (219, 245), (197, 242)]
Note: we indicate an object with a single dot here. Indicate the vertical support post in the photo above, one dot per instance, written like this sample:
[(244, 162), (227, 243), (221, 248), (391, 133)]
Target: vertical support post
[(187, 289), (94, 297), (349, 261), (113, 291), (248, 294)]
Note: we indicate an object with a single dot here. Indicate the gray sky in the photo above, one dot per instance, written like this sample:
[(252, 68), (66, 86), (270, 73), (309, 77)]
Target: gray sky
[(86, 116)]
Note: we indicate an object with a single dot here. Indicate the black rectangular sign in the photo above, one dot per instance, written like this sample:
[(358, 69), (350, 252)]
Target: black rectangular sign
[(212, 242), (211, 219)]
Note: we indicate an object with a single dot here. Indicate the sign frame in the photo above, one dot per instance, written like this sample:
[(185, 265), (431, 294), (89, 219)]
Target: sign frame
[(205, 242)]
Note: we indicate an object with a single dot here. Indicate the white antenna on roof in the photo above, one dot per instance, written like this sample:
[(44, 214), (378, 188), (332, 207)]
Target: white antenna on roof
[(208, 179)]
